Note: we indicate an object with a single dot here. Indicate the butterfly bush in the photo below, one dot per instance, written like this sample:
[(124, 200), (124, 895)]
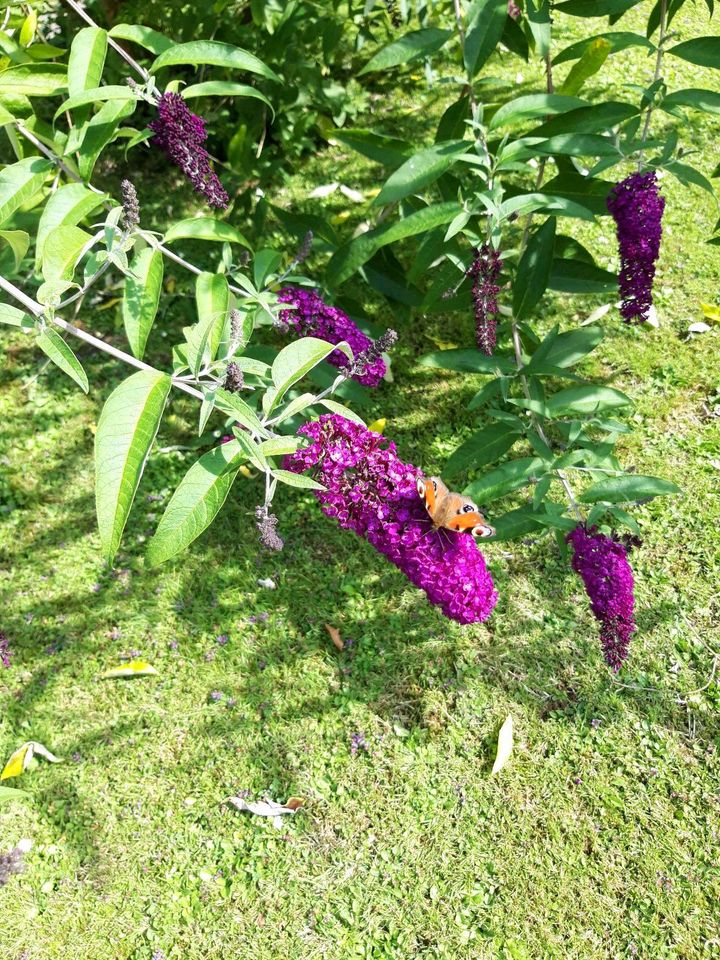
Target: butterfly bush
[(603, 566), (312, 317), (371, 491), (485, 270), (5, 655), (637, 206), (181, 134)]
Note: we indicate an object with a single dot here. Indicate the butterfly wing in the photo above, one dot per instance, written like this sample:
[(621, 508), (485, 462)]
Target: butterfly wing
[(461, 514), (432, 492)]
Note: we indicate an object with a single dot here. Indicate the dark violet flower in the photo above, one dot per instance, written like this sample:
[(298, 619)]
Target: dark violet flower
[(637, 205), (234, 378), (602, 563), (358, 742), (130, 205), (311, 316), (216, 695), (266, 523), (485, 270), (372, 492), (5, 653), (222, 639), (181, 134), (10, 864)]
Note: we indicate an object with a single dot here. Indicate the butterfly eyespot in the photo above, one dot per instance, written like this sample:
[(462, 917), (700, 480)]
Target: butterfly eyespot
[(435, 486), (468, 508)]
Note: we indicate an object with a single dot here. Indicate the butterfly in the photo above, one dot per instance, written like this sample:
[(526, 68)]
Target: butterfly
[(452, 511)]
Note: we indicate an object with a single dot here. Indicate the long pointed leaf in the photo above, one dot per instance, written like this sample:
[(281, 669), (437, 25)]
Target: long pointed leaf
[(54, 347), (141, 297)]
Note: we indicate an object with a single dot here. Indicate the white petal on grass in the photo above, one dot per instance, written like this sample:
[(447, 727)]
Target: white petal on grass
[(324, 190), (267, 808), (504, 745)]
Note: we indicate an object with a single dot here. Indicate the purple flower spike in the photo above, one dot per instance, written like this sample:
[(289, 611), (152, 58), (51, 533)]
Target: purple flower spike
[(372, 492), (313, 317), (485, 270), (637, 207), (603, 565), (5, 654), (181, 134)]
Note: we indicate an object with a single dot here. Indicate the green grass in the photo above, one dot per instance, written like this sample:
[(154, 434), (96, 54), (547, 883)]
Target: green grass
[(598, 840)]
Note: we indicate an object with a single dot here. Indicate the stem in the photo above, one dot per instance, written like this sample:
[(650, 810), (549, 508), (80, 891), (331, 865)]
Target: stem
[(461, 34), (562, 476), (115, 46), (38, 310), (656, 75)]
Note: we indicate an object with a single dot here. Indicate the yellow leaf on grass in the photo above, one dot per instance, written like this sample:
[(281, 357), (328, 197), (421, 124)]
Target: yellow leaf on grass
[(20, 760), (135, 668), (377, 426), (335, 637), (711, 311), (504, 745)]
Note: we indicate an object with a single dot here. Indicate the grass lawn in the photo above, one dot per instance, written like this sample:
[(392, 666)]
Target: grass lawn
[(599, 839)]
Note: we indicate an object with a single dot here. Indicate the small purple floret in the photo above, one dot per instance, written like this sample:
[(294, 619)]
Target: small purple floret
[(637, 206), (603, 565), (313, 317), (372, 492), (5, 653), (181, 134), (485, 270)]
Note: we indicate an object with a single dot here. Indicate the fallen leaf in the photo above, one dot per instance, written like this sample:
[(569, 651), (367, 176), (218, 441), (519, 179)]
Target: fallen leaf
[(20, 760), (267, 583), (377, 426), (324, 190), (335, 636), (699, 327), (267, 808), (135, 668), (711, 311), (504, 745), (652, 318), (246, 472), (351, 194)]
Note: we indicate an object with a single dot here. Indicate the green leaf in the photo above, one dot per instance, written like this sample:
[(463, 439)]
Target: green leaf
[(15, 318), (587, 400), (205, 228), (297, 359), (297, 480), (567, 348), (95, 95), (86, 60), (350, 257), (61, 250), (212, 299), (577, 145), (533, 272), (67, 206), (141, 297), (20, 182), (280, 446), (589, 192), (504, 479), (35, 80), (515, 523), (126, 430), (145, 37), (689, 175), (213, 53), (534, 105), (485, 25), (420, 170), (225, 88), (702, 51), (334, 407), (587, 66), (389, 151), (483, 447), (595, 8), (706, 100), (413, 46), (540, 23), (236, 407), (54, 347), (467, 361), (196, 502), (251, 451), (533, 202), (628, 487), (18, 241), (599, 116), (619, 40), (575, 276), (99, 131), (11, 793)]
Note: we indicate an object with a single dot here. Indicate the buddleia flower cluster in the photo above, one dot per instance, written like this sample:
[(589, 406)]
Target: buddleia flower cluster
[(602, 564), (485, 270), (5, 655), (181, 134), (312, 317), (372, 492), (637, 206)]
